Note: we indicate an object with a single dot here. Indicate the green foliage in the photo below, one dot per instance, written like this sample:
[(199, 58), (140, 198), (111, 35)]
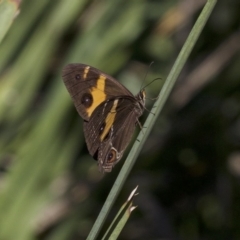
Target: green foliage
[(8, 11)]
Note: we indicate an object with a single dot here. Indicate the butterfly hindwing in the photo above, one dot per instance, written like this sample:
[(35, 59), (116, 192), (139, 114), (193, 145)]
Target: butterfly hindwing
[(110, 129)]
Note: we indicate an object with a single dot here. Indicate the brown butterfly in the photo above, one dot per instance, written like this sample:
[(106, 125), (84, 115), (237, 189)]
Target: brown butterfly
[(109, 110)]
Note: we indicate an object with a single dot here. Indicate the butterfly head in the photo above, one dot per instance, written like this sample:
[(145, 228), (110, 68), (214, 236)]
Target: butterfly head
[(141, 96)]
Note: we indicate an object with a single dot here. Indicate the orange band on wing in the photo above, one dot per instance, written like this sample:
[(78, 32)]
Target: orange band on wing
[(98, 94), (109, 119)]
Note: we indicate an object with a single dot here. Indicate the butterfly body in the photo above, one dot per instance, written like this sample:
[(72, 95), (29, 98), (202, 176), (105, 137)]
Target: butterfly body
[(109, 110)]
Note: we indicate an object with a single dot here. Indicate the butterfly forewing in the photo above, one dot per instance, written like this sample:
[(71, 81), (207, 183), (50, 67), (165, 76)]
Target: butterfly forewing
[(90, 87)]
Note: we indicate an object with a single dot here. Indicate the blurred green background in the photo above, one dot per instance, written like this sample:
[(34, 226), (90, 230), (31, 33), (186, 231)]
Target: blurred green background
[(188, 172)]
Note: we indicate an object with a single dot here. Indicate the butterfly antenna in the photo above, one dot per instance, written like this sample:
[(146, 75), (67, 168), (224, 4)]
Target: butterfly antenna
[(146, 74), (152, 82)]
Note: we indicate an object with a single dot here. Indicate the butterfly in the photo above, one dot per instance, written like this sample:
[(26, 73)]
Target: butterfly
[(109, 110)]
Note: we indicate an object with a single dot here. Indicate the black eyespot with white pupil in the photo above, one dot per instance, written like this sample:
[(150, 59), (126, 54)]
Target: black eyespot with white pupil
[(77, 76), (87, 100), (111, 156)]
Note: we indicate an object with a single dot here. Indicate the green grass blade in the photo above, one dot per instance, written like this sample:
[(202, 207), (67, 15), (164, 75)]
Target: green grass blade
[(171, 79), (122, 221), (8, 11), (121, 218)]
